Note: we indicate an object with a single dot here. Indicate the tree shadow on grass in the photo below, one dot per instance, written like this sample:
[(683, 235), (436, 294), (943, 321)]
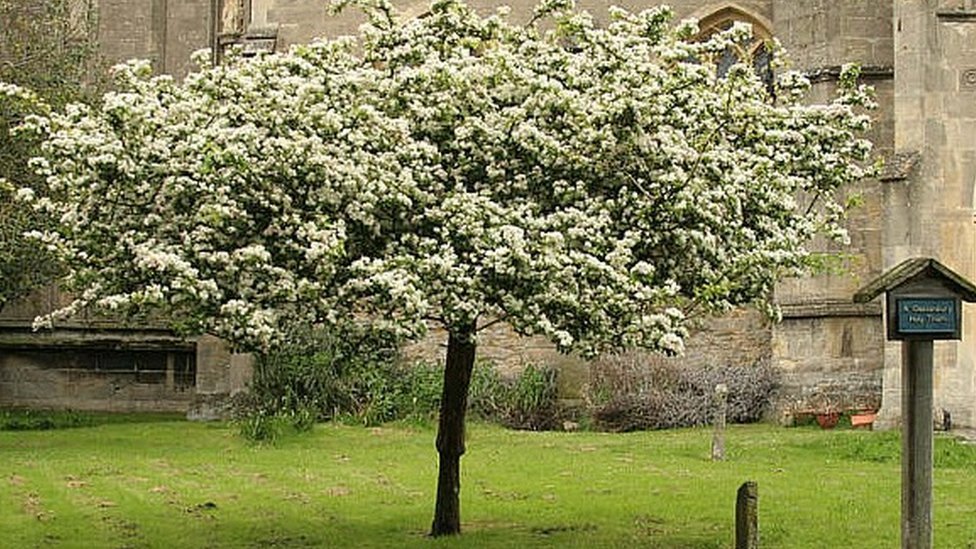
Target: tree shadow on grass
[(21, 419), (402, 531)]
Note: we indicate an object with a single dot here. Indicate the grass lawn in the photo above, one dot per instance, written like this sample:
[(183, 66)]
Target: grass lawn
[(169, 483)]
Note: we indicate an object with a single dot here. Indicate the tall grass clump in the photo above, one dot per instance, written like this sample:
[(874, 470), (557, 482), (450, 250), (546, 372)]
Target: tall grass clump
[(528, 400), (43, 420)]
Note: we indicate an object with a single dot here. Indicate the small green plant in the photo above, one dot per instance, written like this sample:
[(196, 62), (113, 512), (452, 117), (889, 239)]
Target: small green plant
[(263, 427), (531, 399), (268, 426), (487, 394), (303, 419), (420, 395), (528, 400)]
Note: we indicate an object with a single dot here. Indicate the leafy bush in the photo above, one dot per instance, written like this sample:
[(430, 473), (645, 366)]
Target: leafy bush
[(419, 395), (352, 373), (319, 375), (262, 426), (629, 392), (526, 401)]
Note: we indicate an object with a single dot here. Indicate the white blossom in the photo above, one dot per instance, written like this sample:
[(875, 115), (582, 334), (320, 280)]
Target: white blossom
[(457, 169)]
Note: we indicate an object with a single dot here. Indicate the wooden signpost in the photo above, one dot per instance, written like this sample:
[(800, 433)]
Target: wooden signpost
[(923, 303)]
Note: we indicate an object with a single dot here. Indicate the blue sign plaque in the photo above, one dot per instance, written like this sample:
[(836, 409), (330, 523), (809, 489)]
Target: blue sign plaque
[(927, 316)]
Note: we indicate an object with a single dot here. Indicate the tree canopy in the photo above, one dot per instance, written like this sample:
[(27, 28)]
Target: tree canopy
[(595, 185)]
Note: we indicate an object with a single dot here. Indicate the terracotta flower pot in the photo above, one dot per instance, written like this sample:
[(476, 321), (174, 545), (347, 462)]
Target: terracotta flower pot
[(828, 420), (864, 420)]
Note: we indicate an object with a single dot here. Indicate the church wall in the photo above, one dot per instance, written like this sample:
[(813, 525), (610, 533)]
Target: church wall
[(832, 352), (165, 32), (126, 29), (935, 44), (96, 362), (300, 21)]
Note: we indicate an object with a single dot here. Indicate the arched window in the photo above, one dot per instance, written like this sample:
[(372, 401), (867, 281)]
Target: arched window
[(757, 51)]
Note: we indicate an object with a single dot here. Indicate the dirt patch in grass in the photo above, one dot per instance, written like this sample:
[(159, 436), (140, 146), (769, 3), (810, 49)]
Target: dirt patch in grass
[(285, 541), (562, 529), (32, 506)]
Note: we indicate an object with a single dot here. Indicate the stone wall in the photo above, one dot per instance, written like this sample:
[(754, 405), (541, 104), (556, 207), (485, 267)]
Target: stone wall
[(933, 198), (127, 29), (223, 374), (102, 363), (832, 353), (822, 33), (165, 32), (96, 379)]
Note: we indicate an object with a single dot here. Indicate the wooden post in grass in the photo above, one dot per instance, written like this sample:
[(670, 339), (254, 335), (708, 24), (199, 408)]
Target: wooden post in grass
[(747, 516), (916, 445), (721, 409), (923, 303)]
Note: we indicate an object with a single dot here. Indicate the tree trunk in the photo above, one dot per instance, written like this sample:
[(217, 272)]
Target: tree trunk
[(450, 431)]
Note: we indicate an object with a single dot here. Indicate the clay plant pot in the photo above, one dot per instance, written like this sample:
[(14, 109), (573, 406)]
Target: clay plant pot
[(863, 420), (828, 420)]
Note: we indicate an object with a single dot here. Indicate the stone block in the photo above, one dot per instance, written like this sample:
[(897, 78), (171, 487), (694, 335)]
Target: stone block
[(860, 50)]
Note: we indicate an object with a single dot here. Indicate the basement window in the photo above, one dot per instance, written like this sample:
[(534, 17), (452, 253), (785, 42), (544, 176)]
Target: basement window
[(150, 367)]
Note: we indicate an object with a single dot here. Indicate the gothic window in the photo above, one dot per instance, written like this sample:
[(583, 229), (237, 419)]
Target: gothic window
[(755, 52)]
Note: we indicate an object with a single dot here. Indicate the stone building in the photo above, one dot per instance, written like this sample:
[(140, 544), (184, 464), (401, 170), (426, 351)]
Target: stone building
[(110, 365), (920, 55)]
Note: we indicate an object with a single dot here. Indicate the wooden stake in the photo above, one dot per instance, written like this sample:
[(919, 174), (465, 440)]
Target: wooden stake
[(747, 516), (721, 410), (916, 441)]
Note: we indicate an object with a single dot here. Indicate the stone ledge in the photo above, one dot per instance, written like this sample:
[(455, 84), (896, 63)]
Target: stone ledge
[(899, 166), (956, 16), (146, 340), (831, 73), (25, 323), (822, 309)]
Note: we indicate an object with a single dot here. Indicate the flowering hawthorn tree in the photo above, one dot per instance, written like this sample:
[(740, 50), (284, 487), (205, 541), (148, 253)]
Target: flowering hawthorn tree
[(592, 185)]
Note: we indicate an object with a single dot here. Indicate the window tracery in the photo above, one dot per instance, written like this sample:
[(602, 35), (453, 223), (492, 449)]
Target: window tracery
[(757, 51)]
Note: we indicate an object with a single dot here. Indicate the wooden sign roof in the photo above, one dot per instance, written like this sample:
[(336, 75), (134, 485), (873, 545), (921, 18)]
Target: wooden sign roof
[(915, 269)]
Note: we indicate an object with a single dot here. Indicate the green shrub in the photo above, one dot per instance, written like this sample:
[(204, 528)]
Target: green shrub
[(486, 396), (261, 426), (322, 374), (419, 396), (531, 399), (354, 374), (528, 400)]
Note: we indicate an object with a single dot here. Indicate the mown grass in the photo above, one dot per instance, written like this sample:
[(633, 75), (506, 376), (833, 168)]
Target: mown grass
[(178, 484)]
